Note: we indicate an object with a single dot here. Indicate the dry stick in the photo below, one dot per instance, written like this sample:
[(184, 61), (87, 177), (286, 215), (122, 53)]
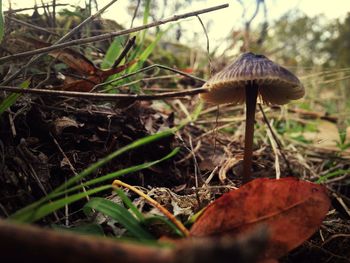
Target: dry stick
[(103, 96), (47, 13), (74, 171), (59, 44), (54, 13), (310, 114), (129, 44), (135, 13), (276, 152), (279, 144), (38, 28), (153, 202), (208, 44), (11, 11), (146, 69), (62, 39), (216, 131)]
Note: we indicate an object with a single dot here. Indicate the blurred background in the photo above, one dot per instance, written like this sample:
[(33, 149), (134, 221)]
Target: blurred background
[(312, 39)]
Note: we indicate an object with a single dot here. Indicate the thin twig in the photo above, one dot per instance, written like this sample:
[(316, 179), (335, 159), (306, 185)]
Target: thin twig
[(11, 11), (47, 13), (54, 13), (38, 28), (146, 69), (153, 202), (59, 44), (280, 147), (208, 44), (104, 96), (129, 44), (62, 39), (276, 151), (135, 13), (72, 168)]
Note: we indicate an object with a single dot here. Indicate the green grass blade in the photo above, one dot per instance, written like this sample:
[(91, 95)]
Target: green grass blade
[(122, 172), (325, 177), (131, 169), (46, 209), (145, 20), (98, 164), (22, 213), (119, 214), (117, 174), (146, 52), (11, 99), (129, 204), (113, 52)]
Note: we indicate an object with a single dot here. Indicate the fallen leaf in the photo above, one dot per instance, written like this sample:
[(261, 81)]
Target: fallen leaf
[(70, 57), (75, 60), (92, 75), (291, 209), (86, 85), (60, 124)]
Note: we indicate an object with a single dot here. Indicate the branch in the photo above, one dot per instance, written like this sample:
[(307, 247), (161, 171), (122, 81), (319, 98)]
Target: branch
[(146, 69), (129, 44), (43, 245), (38, 28), (11, 11), (110, 35), (104, 96)]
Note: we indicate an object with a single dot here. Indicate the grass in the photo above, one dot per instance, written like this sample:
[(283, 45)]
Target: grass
[(12, 98), (46, 205), (291, 128), (132, 222)]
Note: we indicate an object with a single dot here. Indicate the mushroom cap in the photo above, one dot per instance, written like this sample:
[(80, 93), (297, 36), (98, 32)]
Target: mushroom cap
[(276, 84)]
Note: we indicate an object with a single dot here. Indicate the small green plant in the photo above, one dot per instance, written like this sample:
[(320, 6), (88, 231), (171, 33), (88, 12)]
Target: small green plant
[(143, 50), (343, 144), (331, 175), (120, 214), (71, 190), (295, 129), (12, 98), (53, 202)]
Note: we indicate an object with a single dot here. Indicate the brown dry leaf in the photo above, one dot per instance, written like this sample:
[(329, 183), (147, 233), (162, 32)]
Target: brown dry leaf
[(86, 85), (75, 60), (79, 63), (327, 136), (291, 209), (70, 57), (229, 163), (63, 123)]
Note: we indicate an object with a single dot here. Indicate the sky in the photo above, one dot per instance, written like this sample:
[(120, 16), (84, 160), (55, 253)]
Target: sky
[(221, 21), (332, 9)]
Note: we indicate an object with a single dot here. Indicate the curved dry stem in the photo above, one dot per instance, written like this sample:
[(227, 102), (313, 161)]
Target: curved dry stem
[(153, 202)]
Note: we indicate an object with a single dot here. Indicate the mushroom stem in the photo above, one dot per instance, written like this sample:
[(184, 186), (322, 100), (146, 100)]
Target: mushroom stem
[(251, 93)]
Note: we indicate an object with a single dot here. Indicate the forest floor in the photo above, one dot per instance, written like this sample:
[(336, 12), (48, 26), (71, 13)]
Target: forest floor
[(45, 140)]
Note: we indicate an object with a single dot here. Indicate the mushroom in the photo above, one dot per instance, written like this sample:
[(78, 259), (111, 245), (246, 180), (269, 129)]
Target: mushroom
[(243, 80)]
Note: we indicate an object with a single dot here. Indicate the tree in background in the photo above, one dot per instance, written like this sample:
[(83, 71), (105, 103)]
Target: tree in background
[(338, 47)]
